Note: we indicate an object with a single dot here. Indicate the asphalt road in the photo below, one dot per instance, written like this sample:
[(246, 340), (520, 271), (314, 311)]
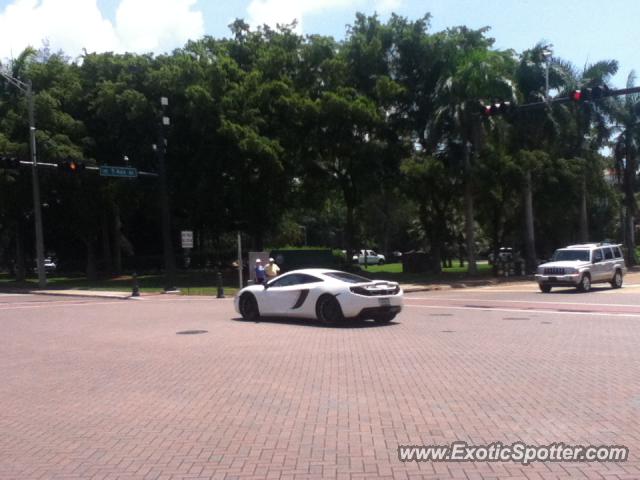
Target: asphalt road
[(95, 388)]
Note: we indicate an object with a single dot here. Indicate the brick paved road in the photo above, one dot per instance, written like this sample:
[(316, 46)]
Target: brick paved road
[(106, 389)]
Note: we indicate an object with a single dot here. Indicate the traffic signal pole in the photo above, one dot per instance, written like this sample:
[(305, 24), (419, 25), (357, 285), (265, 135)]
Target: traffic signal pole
[(37, 204), (27, 89)]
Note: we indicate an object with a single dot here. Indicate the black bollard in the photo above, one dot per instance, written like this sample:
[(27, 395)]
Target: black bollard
[(220, 289), (135, 291)]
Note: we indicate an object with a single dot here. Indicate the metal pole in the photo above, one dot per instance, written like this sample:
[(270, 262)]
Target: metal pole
[(169, 260), (37, 211), (240, 259)]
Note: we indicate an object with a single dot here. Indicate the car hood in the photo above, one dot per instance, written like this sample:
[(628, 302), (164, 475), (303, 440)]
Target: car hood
[(566, 264)]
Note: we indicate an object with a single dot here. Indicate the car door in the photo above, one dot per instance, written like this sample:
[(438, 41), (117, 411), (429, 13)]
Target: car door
[(278, 294), (598, 270), (609, 263), (287, 297)]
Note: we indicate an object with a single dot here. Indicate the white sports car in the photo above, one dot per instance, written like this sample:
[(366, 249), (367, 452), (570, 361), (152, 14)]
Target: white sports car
[(327, 295)]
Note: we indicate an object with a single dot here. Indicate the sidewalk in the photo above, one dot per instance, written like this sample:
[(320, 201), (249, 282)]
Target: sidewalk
[(632, 277)]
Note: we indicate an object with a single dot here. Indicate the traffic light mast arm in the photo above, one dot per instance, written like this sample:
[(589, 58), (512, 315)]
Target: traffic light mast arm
[(609, 93)]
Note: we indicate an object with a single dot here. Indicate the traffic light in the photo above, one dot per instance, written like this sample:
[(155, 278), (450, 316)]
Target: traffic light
[(71, 166), (498, 108), (589, 93), (10, 163)]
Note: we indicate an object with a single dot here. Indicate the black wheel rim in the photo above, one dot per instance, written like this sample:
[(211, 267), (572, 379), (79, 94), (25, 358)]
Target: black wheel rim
[(248, 307), (329, 310)]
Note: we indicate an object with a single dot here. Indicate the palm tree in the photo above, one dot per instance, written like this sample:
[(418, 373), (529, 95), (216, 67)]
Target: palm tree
[(587, 125), (475, 72), (625, 113)]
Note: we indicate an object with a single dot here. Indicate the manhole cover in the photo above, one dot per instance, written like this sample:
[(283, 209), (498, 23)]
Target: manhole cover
[(441, 314), (515, 318), (191, 332), (447, 331)]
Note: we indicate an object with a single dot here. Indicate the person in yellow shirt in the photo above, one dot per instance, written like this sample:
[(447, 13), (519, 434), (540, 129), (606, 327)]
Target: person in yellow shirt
[(272, 269)]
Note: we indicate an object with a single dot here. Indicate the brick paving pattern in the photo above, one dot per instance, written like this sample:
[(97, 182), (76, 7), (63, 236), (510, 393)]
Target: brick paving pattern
[(110, 391)]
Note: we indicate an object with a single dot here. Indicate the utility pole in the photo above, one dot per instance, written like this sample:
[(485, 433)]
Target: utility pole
[(167, 247), (37, 206)]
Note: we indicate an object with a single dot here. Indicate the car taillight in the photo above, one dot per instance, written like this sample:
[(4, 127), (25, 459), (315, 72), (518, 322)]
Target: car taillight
[(360, 290)]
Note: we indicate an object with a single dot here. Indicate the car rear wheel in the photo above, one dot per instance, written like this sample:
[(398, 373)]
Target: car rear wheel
[(249, 307), (380, 262), (544, 288), (616, 282), (328, 310), (585, 283)]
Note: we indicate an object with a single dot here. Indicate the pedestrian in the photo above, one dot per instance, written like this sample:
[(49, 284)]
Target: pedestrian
[(260, 273), (272, 269)]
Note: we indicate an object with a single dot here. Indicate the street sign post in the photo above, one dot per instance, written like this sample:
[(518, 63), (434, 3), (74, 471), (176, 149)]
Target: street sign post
[(187, 244), (187, 238), (122, 172)]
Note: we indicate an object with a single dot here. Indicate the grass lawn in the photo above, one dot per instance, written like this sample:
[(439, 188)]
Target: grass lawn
[(393, 271), (205, 283), (192, 283)]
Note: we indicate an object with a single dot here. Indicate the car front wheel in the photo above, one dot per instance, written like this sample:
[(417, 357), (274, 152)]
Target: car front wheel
[(544, 288), (585, 283), (328, 310), (616, 282), (249, 307)]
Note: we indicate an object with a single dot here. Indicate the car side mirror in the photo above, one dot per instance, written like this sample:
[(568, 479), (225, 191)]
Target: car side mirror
[(265, 286)]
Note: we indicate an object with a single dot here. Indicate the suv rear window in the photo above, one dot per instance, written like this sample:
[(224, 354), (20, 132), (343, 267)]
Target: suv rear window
[(561, 255)]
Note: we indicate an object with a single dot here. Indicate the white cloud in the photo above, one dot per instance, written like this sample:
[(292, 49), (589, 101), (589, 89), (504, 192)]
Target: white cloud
[(157, 25), (71, 25), (272, 12)]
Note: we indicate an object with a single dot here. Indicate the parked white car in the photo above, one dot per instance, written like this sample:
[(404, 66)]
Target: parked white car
[(326, 295), (371, 257), (581, 266)]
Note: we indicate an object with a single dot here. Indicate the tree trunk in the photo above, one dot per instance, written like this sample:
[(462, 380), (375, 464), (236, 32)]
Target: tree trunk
[(117, 247), (529, 240), (92, 270), (19, 266), (584, 220), (106, 244), (468, 214), (630, 207)]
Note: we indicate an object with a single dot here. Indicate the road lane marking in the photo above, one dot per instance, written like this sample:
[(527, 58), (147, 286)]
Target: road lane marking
[(512, 310), (530, 302)]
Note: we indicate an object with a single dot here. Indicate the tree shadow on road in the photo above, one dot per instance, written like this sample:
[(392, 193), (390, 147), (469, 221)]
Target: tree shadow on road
[(305, 322)]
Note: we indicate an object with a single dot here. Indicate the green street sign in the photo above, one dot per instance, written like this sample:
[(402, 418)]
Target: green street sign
[(124, 172)]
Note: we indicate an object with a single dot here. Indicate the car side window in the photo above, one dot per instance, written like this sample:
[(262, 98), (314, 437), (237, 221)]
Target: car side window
[(294, 279), (304, 278), (608, 254), (285, 281), (597, 255), (616, 252)]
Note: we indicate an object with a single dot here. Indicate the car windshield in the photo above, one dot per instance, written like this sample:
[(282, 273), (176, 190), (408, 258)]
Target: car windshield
[(568, 255), (347, 277)]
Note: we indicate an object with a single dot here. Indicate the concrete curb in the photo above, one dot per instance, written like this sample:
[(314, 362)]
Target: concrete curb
[(86, 294)]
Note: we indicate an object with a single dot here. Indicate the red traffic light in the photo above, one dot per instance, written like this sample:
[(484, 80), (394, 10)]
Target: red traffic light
[(576, 95), (498, 108), (71, 166)]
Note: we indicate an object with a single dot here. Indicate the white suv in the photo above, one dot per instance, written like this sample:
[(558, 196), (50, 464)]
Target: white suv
[(582, 265)]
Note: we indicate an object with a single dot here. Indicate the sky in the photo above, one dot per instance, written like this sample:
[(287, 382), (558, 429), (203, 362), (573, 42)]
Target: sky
[(581, 31)]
